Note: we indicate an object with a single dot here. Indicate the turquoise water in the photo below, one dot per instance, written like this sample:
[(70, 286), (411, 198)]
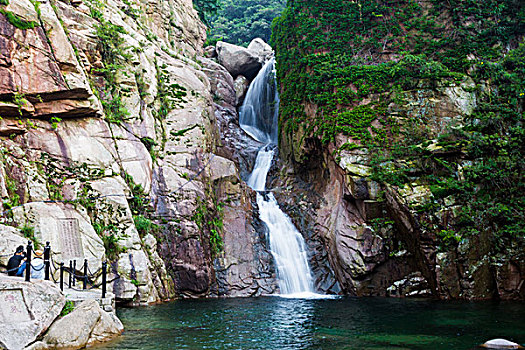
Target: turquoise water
[(345, 323)]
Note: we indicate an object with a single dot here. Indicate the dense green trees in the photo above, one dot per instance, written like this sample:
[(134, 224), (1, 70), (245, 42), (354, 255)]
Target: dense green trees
[(207, 9), (240, 21)]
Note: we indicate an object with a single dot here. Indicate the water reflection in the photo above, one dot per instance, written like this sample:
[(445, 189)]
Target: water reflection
[(292, 326), (275, 323)]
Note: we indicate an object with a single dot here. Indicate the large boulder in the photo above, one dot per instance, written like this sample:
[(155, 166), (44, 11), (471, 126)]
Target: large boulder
[(27, 309), (86, 325), (261, 49), (238, 60)]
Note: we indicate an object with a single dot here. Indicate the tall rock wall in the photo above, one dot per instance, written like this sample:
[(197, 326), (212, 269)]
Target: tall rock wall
[(401, 129), (110, 147)]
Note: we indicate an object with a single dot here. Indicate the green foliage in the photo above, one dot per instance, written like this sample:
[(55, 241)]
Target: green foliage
[(20, 100), (135, 282), (207, 9), (69, 306), (113, 50), (110, 236), (210, 220), (356, 63), (54, 122), (150, 144), (240, 21), (131, 11), (18, 22), (145, 226), (29, 233), (4, 2), (169, 95)]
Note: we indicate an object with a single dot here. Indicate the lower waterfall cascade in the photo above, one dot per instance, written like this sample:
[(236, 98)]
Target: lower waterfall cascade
[(258, 117)]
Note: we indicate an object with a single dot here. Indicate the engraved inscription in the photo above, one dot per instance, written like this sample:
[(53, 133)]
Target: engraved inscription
[(70, 240), (13, 309)]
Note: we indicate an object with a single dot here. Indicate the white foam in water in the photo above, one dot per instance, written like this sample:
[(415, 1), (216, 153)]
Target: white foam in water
[(308, 295), (259, 120)]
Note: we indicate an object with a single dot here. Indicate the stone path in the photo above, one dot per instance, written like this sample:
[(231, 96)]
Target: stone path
[(78, 296)]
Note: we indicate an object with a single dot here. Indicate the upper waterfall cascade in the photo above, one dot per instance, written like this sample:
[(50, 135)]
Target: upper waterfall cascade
[(258, 117), (259, 112)]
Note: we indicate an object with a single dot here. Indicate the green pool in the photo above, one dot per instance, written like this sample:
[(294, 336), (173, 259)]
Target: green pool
[(344, 323)]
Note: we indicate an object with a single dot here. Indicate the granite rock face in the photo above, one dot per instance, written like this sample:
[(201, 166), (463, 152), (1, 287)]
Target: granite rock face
[(61, 226), (116, 135), (27, 310), (371, 239), (10, 239), (86, 325)]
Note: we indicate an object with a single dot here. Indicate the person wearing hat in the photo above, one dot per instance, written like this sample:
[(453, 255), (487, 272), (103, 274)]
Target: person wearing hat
[(16, 261), (37, 266)]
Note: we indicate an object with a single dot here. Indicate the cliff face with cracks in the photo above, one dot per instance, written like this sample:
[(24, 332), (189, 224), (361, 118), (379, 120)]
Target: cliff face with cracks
[(401, 129), (109, 125)]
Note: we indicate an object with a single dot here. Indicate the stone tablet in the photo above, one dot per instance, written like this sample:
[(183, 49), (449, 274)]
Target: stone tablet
[(13, 308), (70, 240)]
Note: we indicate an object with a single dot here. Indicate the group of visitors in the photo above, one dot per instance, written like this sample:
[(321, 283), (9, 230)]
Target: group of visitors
[(18, 262)]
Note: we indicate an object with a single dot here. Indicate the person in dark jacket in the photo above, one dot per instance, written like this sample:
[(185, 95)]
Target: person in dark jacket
[(15, 262)]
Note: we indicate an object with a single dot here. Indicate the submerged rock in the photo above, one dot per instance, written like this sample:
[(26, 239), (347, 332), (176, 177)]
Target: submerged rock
[(501, 344)]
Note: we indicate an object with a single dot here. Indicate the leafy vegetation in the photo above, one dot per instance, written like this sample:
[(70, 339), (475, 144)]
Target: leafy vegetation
[(29, 233), (240, 21), (358, 64), (16, 20), (209, 219), (145, 226), (69, 306), (207, 9), (113, 50)]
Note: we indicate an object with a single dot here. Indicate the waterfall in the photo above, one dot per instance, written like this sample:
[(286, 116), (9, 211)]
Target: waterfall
[(259, 112), (258, 117)]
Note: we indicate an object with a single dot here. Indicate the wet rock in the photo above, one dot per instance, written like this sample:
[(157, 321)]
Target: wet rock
[(501, 344), (238, 60), (240, 85), (413, 285), (27, 309), (236, 144)]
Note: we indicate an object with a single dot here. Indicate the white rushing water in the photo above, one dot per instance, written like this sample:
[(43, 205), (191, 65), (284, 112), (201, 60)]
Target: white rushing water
[(259, 119)]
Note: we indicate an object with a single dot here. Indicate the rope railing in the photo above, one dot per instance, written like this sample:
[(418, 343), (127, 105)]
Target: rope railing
[(50, 269)]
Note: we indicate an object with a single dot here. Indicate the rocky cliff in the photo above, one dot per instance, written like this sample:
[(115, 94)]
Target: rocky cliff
[(401, 144), (111, 149)]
